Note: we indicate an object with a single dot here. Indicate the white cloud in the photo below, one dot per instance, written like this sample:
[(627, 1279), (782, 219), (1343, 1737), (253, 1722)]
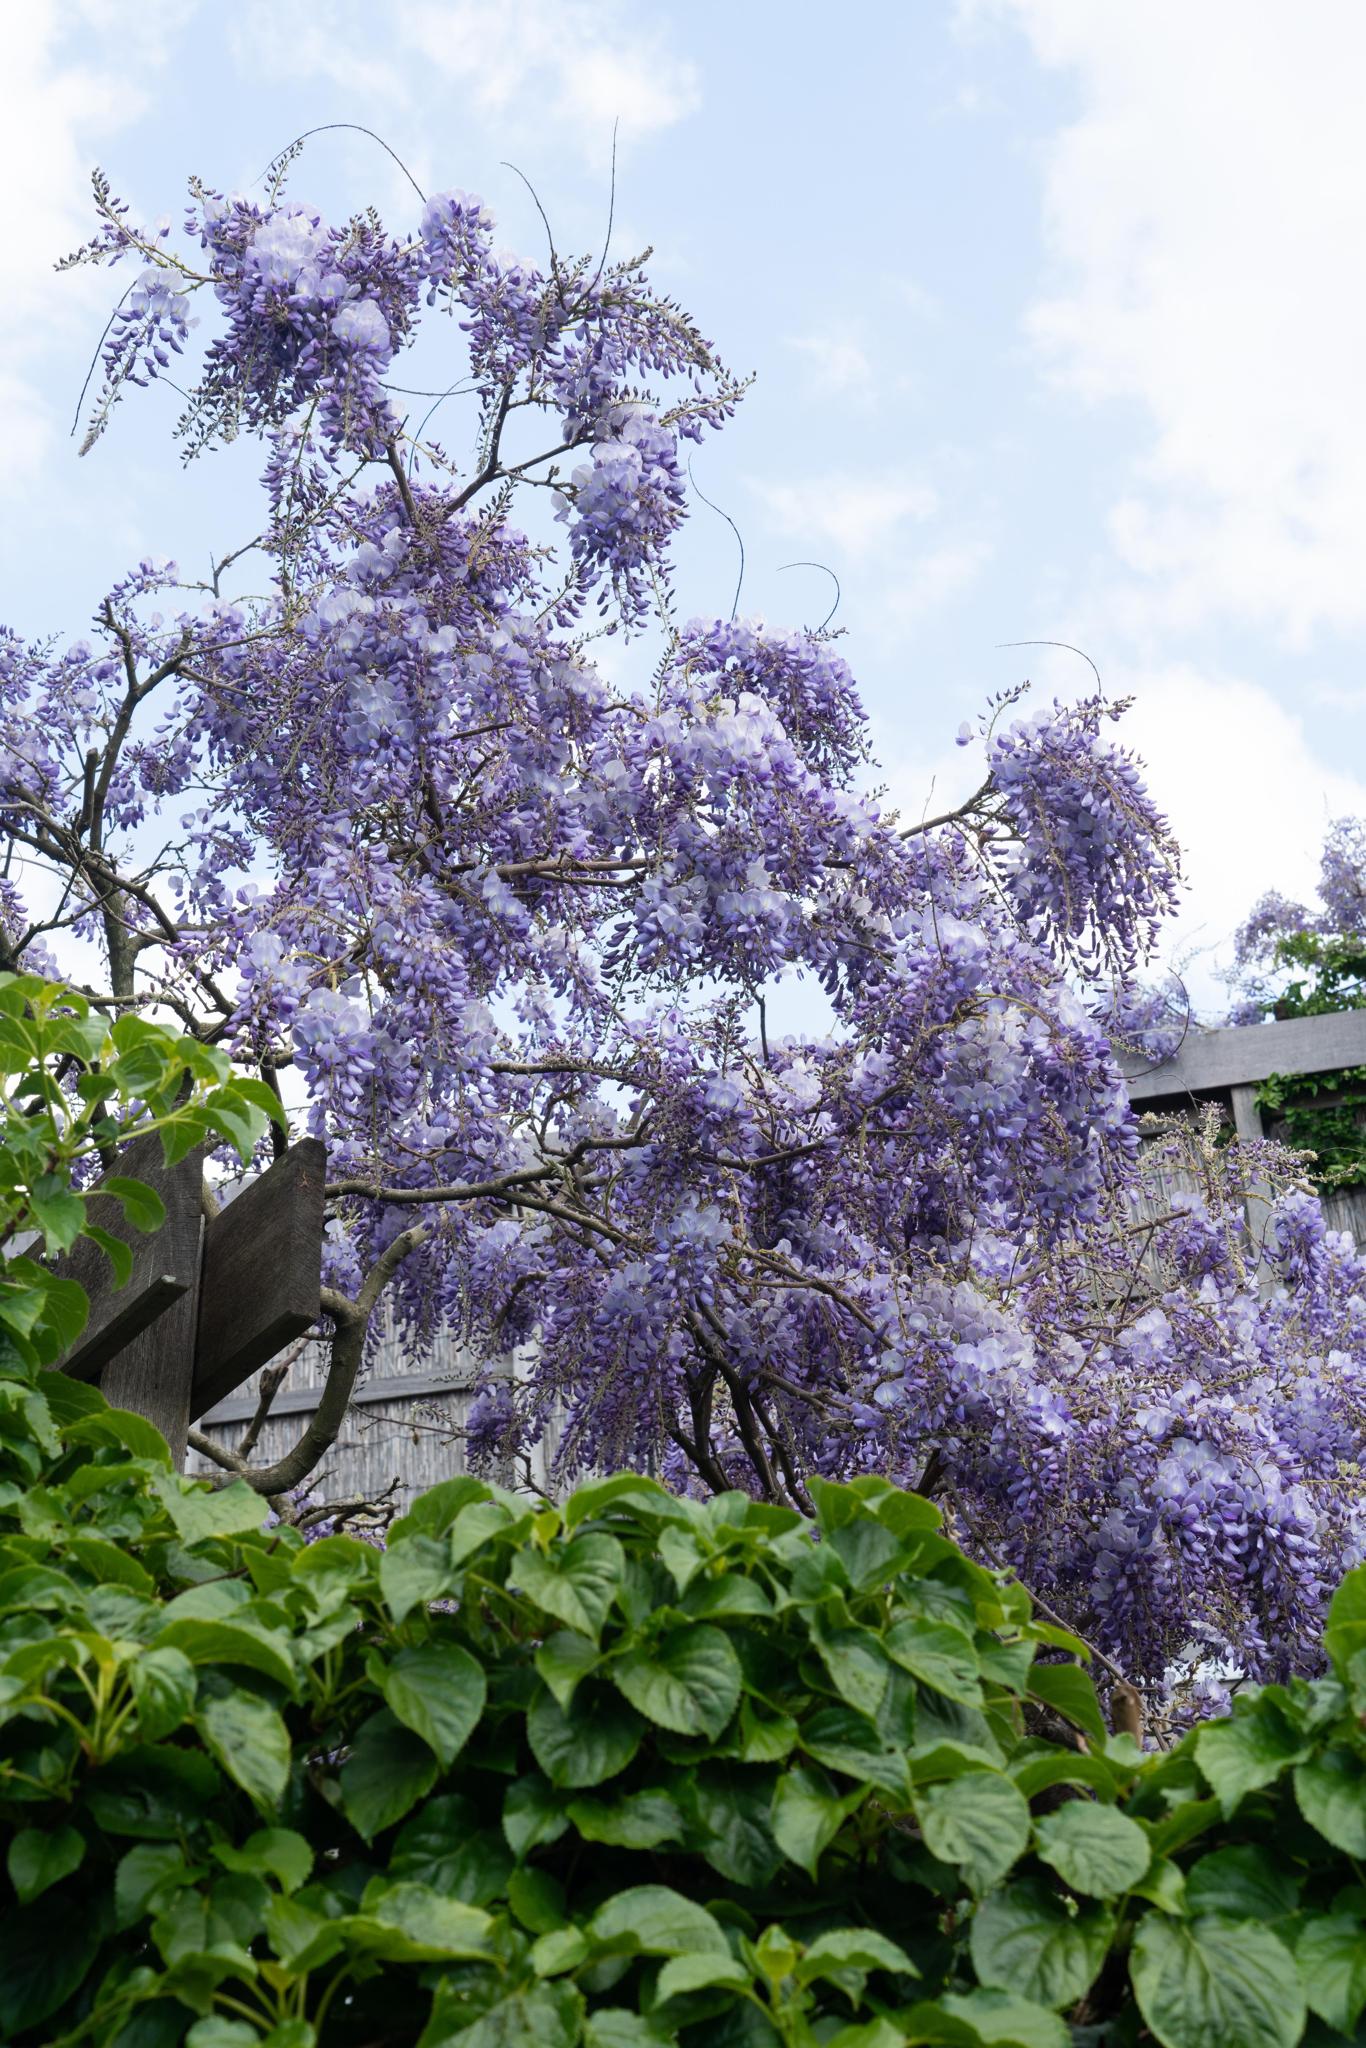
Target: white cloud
[(856, 514), (836, 364), (331, 39), (1205, 214), (1221, 755), (923, 582), (573, 65), (65, 91)]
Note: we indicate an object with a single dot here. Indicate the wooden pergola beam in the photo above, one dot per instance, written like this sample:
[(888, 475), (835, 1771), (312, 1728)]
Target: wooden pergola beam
[(1213, 1062)]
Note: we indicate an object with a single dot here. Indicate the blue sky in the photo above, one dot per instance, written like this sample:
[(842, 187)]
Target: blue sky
[(1055, 312)]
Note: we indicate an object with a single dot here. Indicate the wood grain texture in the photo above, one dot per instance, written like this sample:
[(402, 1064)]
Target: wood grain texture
[(262, 1274), (165, 1262), (1212, 1061), (150, 1371)]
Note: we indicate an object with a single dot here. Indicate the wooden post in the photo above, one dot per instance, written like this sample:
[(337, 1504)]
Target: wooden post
[(1247, 1122), (205, 1305), (262, 1274), (139, 1341)]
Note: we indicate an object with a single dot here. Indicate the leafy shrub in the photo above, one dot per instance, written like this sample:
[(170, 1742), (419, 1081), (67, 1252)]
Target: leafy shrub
[(73, 1086), (628, 1772)]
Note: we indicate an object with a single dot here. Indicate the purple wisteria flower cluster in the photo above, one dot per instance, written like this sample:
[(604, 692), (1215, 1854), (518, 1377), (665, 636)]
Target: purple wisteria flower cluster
[(511, 936)]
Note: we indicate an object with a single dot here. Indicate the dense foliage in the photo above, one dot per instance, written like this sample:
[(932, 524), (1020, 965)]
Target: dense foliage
[(521, 931), (629, 1772), (1296, 962), (74, 1089)]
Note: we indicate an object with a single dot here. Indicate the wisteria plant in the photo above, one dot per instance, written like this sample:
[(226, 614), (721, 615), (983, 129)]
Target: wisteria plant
[(521, 926)]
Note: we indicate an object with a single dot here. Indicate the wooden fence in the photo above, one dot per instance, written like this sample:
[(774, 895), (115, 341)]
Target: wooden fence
[(407, 1415)]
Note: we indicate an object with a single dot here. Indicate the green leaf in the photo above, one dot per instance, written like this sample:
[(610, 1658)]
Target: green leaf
[(612, 2026), (533, 1813), (537, 1899), (699, 1973), (413, 1572), (628, 1491), (978, 1821), (845, 1741), (445, 1846), (438, 1691), (231, 1643), (58, 1213), (1331, 1791), (129, 1432), (651, 1919), (1067, 1689), (110, 1564), (588, 1742), (709, 1598), (388, 1771), (64, 1308), (472, 1529), (1345, 1632), (1164, 1886), (270, 1852), (200, 1512), (563, 1659), (1093, 1848), (115, 1250), (1030, 1940), (1242, 1883), (875, 2033), (987, 2019), (1250, 1750), (732, 1808), (689, 1682), (940, 1656), (147, 1878), (432, 1513), (433, 1928), (564, 1948), (240, 1122), (870, 1552), (218, 2032), (142, 1206), (163, 1682), (640, 1820), (1040, 1771), (806, 1815), (1331, 1953), (853, 1948), (1187, 1820), (43, 1957), (250, 1741), (856, 1662), (39, 1858), (153, 1792), (546, 2015), (1213, 1985), (576, 1583), (301, 1938)]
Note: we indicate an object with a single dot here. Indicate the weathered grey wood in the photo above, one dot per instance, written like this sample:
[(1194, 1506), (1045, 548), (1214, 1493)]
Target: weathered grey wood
[(1211, 1061), (1247, 1118), (165, 1262), (262, 1273), (153, 1373), (407, 1386)]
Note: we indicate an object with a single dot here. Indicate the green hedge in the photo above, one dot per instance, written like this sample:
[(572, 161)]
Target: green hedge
[(630, 1772)]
